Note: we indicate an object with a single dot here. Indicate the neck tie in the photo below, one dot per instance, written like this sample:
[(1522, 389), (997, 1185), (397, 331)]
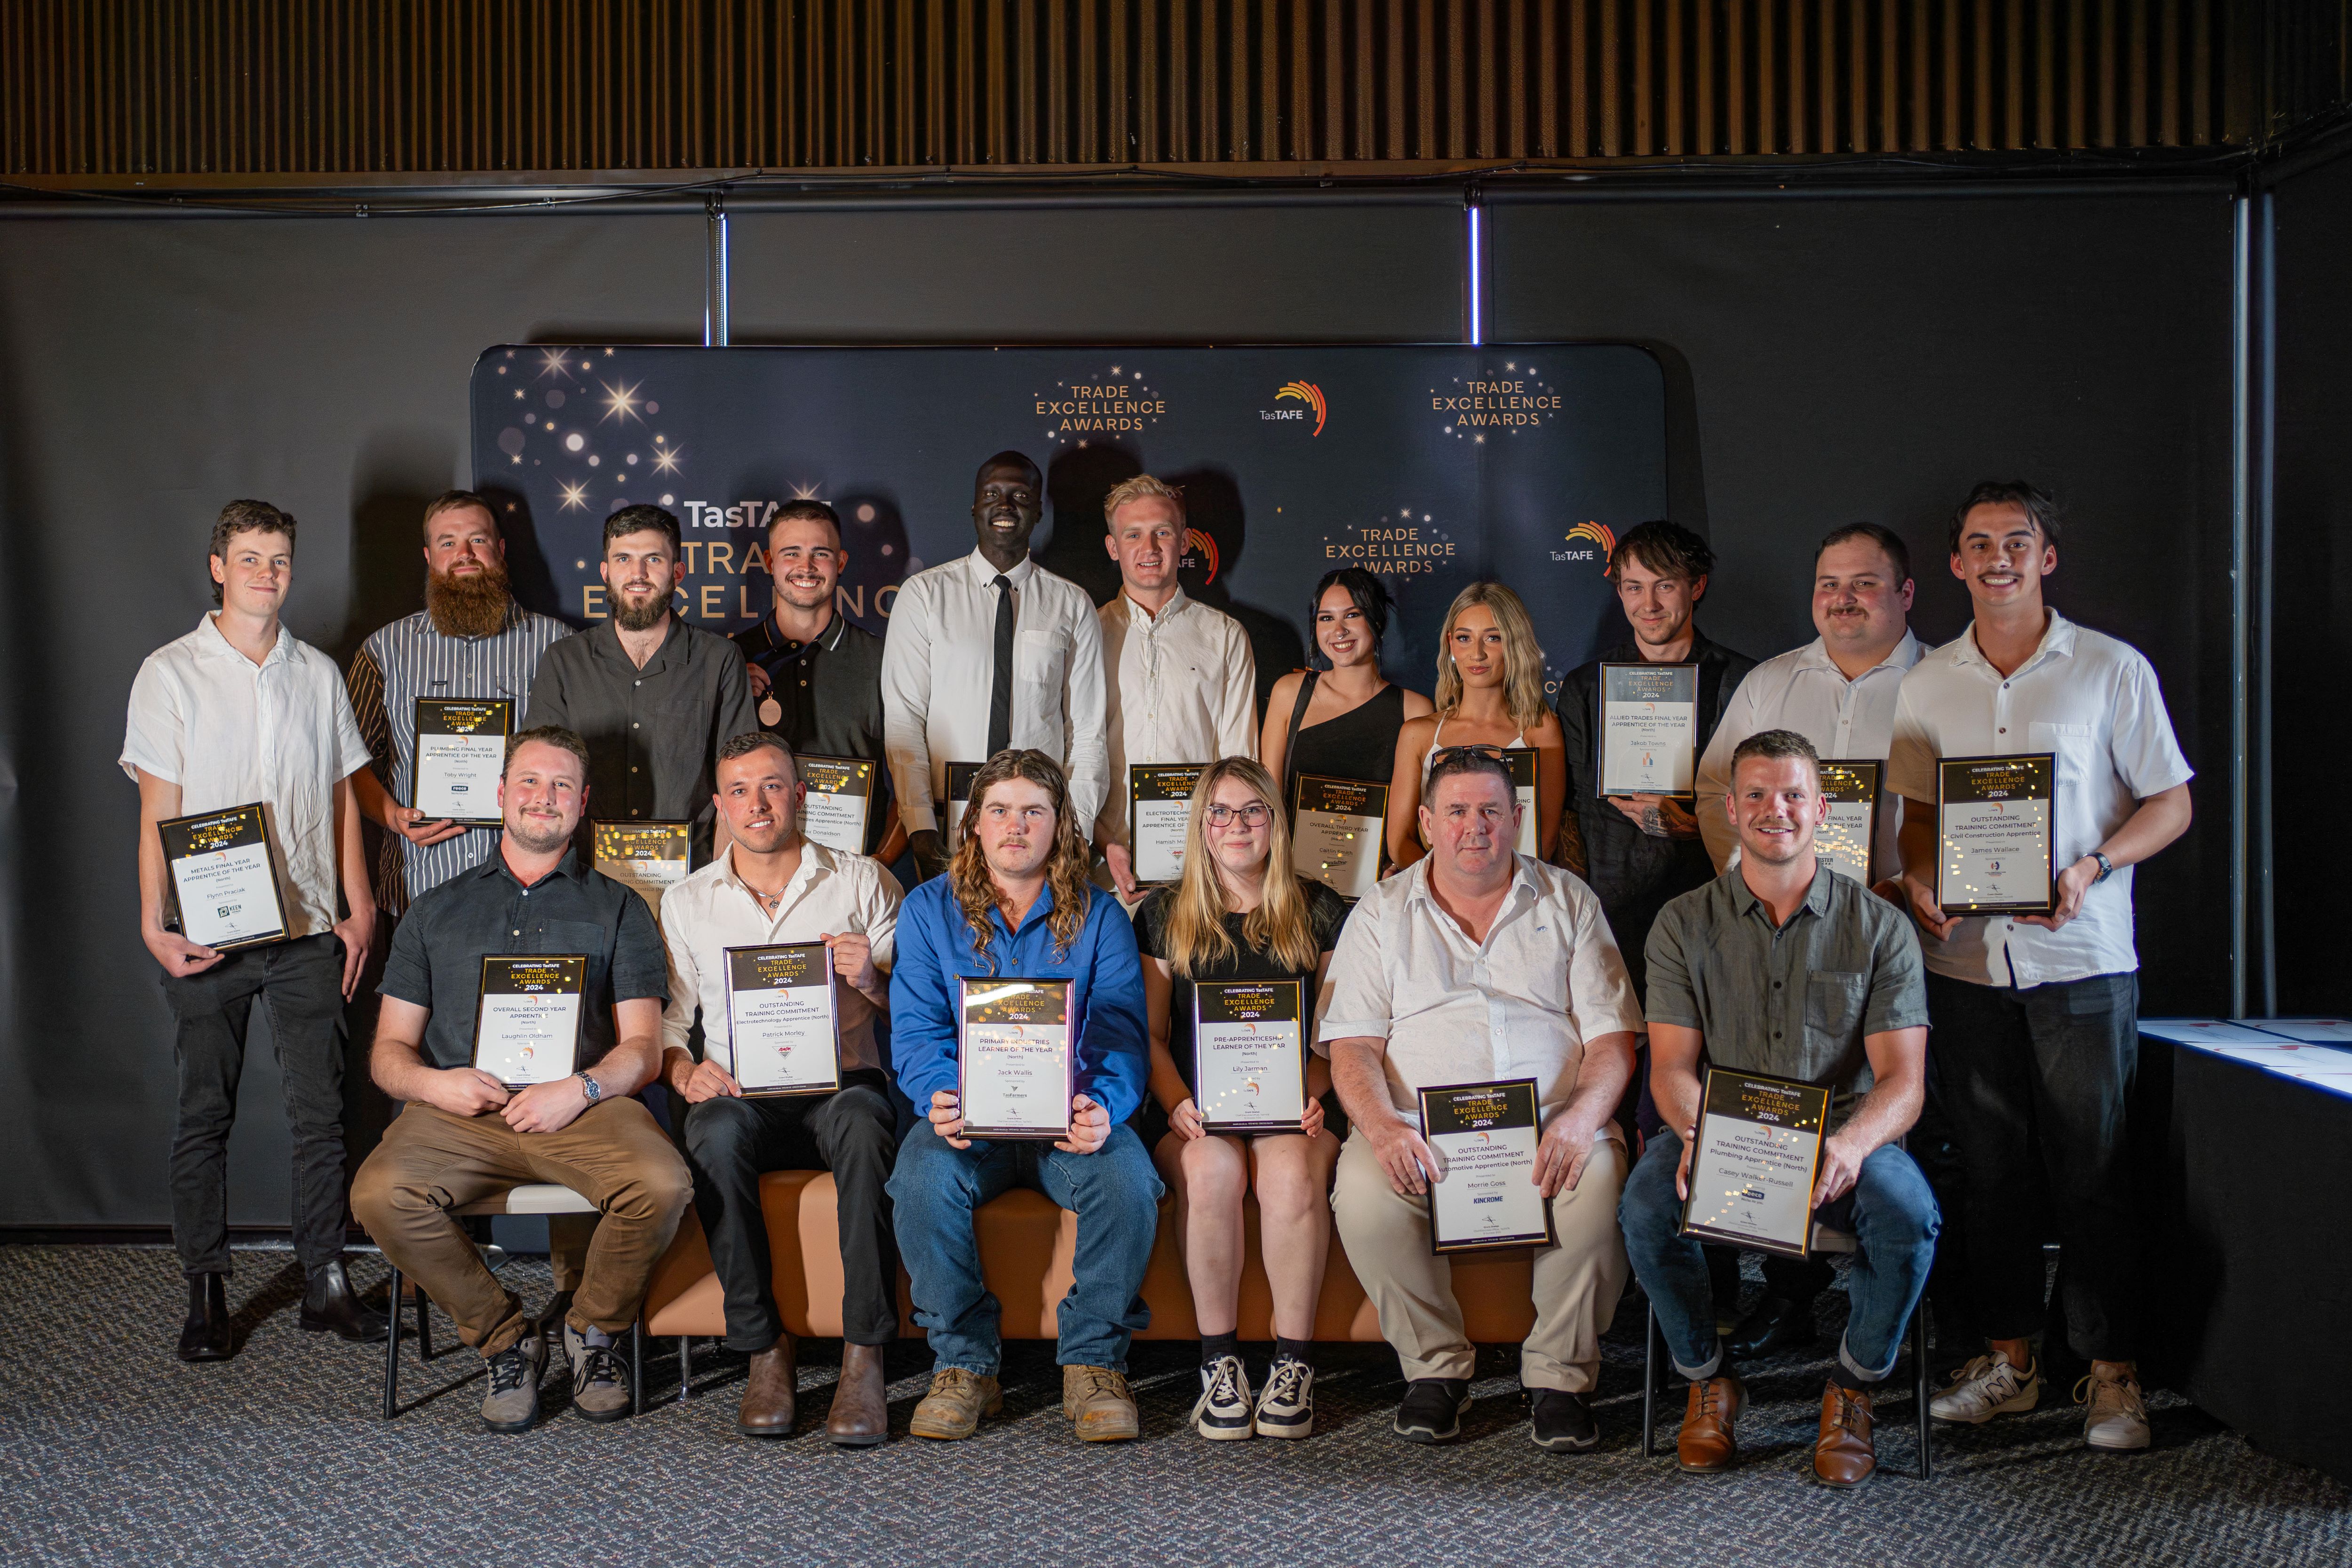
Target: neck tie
[(1000, 693)]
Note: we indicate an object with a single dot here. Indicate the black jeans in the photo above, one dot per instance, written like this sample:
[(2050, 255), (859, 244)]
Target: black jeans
[(854, 1134), (301, 983), (2046, 1071)]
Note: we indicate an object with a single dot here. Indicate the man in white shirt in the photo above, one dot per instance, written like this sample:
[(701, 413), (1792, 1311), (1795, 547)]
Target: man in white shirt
[(2036, 1016), (1181, 680), (237, 712), (771, 885), (1475, 965), (986, 653), (1838, 691)]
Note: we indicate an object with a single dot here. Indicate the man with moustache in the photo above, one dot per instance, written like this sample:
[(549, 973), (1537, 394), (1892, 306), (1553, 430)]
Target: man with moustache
[(990, 652), (771, 885), (816, 678)]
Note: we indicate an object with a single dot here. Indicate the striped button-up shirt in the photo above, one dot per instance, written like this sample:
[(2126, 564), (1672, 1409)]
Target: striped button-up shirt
[(409, 659)]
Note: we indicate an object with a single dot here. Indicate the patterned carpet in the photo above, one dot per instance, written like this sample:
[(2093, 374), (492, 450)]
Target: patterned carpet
[(112, 1451)]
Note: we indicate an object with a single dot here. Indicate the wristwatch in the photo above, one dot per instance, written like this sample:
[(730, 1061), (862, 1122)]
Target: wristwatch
[(2107, 868), (594, 1093)]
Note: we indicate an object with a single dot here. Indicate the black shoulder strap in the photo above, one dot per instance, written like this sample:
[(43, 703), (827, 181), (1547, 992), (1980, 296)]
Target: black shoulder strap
[(1290, 746)]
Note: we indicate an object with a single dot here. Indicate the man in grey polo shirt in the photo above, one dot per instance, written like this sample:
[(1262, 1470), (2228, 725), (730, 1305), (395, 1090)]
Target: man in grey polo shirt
[(1781, 966)]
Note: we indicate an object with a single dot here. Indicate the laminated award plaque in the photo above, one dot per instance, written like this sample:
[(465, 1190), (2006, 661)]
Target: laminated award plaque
[(1249, 1056), (1755, 1161), (461, 749), (782, 1029), (1993, 834), (1527, 769), (1014, 1057), (838, 804), (527, 1019), (224, 884), (650, 857), (958, 801), (1844, 840), (1649, 728), (1159, 809), (1335, 832), (1484, 1193)]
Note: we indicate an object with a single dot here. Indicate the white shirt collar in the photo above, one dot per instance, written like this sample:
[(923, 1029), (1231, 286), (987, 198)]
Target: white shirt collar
[(2057, 638), (211, 642), (1137, 616), (984, 572), (1815, 655), (1523, 890), (816, 859)]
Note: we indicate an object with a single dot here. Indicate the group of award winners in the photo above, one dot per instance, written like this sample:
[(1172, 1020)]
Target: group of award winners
[(1641, 979)]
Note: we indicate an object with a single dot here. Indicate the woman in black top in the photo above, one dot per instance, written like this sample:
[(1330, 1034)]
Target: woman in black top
[(1241, 913), (1340, 722)]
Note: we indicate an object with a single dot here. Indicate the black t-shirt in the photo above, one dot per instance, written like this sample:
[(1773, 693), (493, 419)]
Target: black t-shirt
[(1326, 912)]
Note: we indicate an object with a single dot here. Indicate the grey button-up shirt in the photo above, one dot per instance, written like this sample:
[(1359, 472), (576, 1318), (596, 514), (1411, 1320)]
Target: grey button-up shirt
[(1795, 1000), (653, 733)]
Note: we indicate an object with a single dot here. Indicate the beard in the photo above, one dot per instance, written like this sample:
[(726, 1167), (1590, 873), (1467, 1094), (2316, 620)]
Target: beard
[(473, 605), (642, 615), (535, 839)]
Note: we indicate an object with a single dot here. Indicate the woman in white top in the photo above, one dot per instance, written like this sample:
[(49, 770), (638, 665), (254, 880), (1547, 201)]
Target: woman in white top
[(1489, 693)]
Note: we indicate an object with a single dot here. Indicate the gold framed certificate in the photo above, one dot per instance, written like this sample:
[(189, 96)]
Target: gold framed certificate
[(958, 801), (837, 805), (1993, 834), (461, 750), (1755, 1160), (1159, 809), (1484, 1193), (1015, 1059), (1336, 826), (1649, 730), (1846, 838), (223, 883), (783, 1024), (651, 856), (528, 1017), (1249, 1055), (1527, 771)]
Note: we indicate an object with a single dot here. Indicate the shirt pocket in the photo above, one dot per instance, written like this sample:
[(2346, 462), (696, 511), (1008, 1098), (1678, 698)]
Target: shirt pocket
[(1834, 1004), (2072, 744), (1039, 657)]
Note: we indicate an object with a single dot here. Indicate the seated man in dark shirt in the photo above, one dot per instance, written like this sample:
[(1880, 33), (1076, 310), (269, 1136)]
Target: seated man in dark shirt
[(461, 1136), (1782, 965)]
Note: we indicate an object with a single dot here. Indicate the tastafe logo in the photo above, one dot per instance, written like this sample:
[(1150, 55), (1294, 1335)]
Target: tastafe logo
[(1201, 550), (1600, 542), (1306, 392)]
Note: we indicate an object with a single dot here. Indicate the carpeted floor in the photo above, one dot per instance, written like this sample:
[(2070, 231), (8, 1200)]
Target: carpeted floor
[(112, 1451)]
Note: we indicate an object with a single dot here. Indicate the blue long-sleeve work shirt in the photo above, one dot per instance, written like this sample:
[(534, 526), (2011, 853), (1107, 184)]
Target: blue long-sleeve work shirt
[(935, 949)]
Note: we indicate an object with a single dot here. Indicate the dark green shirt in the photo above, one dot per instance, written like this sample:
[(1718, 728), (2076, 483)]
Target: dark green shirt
[(1796, 1000)]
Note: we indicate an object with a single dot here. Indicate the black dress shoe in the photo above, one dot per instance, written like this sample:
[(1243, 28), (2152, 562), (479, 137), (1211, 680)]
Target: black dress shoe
[(205, 1335), (1776, 1324), (1430, 1411), (1562, 1421), (331, 1305)]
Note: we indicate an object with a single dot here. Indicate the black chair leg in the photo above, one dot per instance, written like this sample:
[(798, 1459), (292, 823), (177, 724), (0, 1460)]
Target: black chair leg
[(1650, 1382), (391, 1351), (684, 1367), (637, 1367), (424, 1325), (1920, 1383)]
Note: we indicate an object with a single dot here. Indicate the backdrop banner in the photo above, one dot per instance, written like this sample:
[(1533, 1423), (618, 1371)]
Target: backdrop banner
[(1432, 467)]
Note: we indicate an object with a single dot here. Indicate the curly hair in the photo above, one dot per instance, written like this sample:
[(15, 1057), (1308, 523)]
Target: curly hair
[(1066, 864)]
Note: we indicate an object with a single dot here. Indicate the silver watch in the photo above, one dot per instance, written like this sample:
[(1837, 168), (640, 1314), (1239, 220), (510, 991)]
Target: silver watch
[(594, 1093)]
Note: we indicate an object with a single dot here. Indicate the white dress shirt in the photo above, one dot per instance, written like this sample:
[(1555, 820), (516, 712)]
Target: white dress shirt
[(2095, 703), (938, 666), (230, 732), (1847, 721), (1182, 689), (832, 894), (1521, 1003)]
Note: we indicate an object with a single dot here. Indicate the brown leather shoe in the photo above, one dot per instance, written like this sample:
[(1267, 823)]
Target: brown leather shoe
[(957, 1401), (1705, 1447), (769, 1393), (1099, 1404), (860, 1417), (1842, 1454)]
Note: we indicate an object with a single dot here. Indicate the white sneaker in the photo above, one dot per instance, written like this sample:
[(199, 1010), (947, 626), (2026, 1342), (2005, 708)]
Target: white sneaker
[(1223, 1412), (1986, 1387), (2117, 1419), (1286, 1409)]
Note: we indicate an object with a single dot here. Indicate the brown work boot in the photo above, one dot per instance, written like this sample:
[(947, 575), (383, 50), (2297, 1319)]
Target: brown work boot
[(1099, 1404), (769, 1394), (957, 1401), (860, 1417), (1842, 1454), (1705, 1447)]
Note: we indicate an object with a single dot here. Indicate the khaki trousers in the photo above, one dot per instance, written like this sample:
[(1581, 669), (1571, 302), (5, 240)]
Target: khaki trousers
[(1577, 1283), (430, 1162)]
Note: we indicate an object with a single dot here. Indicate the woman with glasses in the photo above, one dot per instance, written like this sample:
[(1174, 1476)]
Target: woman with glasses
[(1490, 694), (1239, 912), (1340, 722)]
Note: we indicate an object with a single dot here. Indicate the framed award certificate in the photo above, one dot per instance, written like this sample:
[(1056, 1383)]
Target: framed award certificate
[(839, 801), (1159, 809), (958, 800), (1847, 838), (461, 749), (1249, 1055), (1335, 832), (1755, 1160), (650, 857), (1526, 767), (1649, 728), (1993, 834), (1014, 1057), (224, 884), (1484, 1193), (526, 1020), (782, 1024)]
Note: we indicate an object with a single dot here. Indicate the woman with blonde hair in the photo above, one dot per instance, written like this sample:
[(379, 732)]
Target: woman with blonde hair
[(1239, 912), (1490, 693)]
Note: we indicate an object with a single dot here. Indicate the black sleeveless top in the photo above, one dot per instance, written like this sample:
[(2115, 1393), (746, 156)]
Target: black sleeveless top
[(1359, 744)]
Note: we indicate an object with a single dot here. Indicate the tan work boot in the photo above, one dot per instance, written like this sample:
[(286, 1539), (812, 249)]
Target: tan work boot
[(771, 1391), (1705, 1446), (1842, 1454), (957, 1401), (600, 1376), (1099, 1404), (860, 1417)]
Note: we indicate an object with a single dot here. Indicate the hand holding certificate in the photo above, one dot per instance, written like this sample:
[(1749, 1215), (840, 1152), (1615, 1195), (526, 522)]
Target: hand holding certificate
[(1754, 1160), (224, 884), (461, 748), (1015, 1059), (1993, 831), (1335, 832), (1649, 728), (784, 1031), (1483, 1194), (528, 1018), (1249, 1071)]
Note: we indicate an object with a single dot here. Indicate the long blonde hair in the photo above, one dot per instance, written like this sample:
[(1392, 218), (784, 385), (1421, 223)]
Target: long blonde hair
[(1522, 655), (1280, 925), (1065, 863)]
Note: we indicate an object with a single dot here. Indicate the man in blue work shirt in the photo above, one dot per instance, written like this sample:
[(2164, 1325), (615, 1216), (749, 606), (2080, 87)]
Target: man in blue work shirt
[(1016, 903)]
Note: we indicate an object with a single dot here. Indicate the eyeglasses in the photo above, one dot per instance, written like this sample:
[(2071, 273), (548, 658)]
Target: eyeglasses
[(1473, 749), (1253, 814)]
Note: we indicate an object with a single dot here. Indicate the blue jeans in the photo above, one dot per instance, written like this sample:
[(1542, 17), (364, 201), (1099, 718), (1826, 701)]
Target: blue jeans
[(1890, 1212), (1114, 1191)]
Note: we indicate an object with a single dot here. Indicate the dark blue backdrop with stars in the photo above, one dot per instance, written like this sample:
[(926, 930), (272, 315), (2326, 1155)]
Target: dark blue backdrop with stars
[(1432, 465)]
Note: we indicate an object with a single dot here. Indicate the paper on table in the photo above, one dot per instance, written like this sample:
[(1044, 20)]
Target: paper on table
[(2206, 1032)]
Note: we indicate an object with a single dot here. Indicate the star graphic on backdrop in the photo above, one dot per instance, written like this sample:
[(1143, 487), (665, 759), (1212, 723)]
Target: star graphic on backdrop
[(551, 363), (620, 402), (666, 460), (805, 492), (575, 496)]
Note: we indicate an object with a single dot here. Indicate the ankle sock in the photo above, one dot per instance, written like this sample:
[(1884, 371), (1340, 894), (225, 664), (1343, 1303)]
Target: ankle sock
[(1847, 1381), (1300, 1351), (1215, 1347)]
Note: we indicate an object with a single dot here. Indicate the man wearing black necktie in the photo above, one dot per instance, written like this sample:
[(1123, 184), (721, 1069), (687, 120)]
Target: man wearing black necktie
[(988, 652)]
